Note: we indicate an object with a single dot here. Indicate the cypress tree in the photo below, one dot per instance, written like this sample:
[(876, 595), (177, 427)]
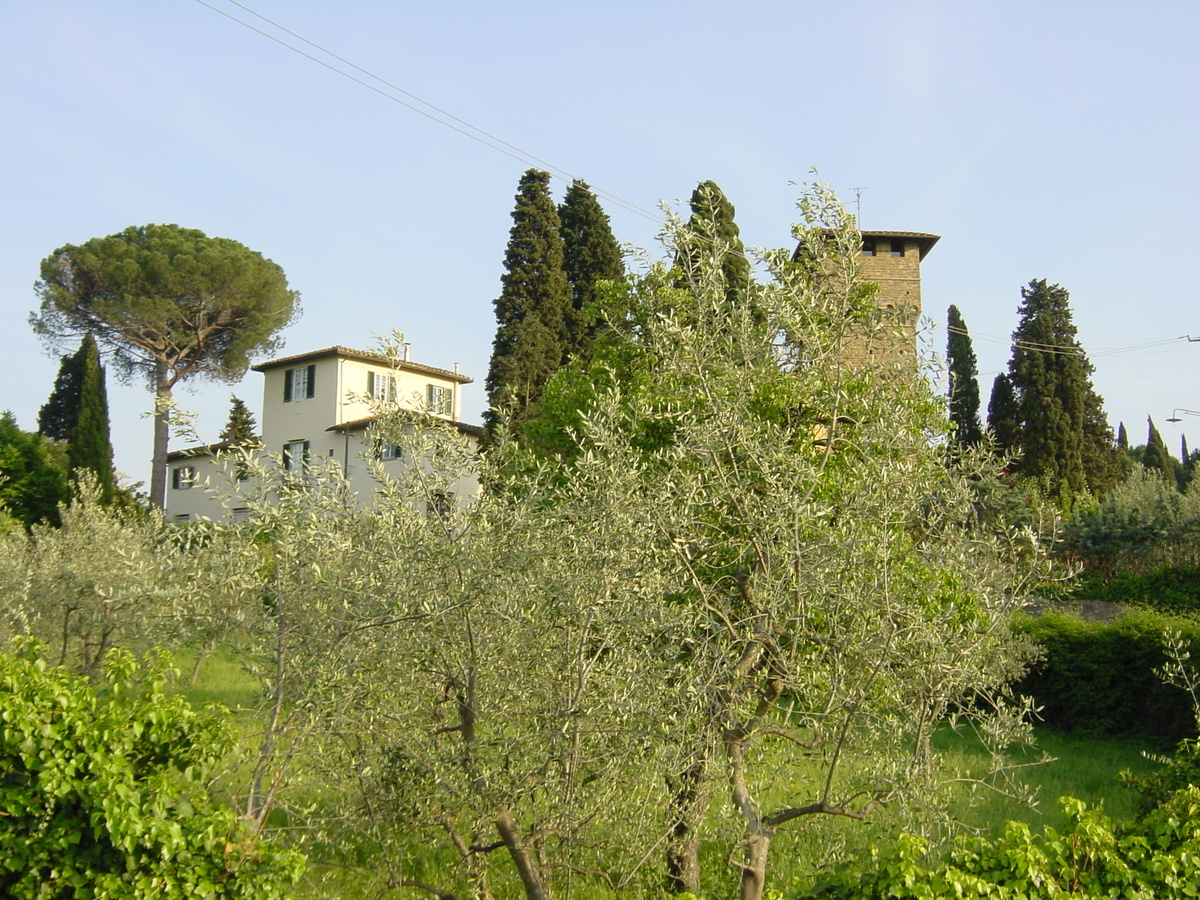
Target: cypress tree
[(532, 309), (1057, 405), (711, 229), (1003, 414), (964, 385), (89, 446), (1102, 459), (61, 411), (1155, 456), (1122, 437), (241, 429), (590, 255)]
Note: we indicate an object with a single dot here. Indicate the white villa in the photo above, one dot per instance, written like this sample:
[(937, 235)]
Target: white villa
[(321, 404)]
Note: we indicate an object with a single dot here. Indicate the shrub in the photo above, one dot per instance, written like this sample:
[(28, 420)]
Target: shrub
[(103, 790), (1155, 857), (1099, 678), (1171, 589), (1142, 525)]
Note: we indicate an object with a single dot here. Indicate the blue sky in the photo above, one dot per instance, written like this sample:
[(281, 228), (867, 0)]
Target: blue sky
[(1052, 140)]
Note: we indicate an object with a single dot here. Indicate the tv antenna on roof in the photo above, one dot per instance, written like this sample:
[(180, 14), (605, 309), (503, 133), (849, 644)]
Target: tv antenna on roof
[(858, 191)]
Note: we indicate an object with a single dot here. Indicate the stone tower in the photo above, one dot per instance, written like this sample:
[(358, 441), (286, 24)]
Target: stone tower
[(891, 259)]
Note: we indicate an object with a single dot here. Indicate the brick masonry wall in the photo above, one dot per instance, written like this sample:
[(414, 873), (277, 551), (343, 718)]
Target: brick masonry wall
[(887, 340)]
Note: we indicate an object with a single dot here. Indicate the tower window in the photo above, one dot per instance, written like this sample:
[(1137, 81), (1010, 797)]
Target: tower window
[(868, 247), (897, 248)]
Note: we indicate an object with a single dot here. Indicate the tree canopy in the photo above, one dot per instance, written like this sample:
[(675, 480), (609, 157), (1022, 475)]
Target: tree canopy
[(241, 428), (715, 240), (1156, 457), (964, 383), (591, 255), (77, 414), (166, 303), (33, 479), (532, 309), (1058, 421)]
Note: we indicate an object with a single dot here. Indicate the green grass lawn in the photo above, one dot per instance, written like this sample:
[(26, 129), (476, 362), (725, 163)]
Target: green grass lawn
[(1083, 768)]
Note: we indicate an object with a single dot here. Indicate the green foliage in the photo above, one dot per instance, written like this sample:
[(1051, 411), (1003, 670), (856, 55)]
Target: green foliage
[(100, 579), (89, 448), (1004, 415), (1102, 678), (60, 412), (104, 791), (1157, 458), (532, 309), (166, 303), (1102, 466), (1155, 857), (711, 240), (1049, 376), (1141, 526), (1178, 772), (33, 480), (76, 414), (964, 383), (590, 255), (1046, 409), (1174, 589), (832, 564), (241, 429)]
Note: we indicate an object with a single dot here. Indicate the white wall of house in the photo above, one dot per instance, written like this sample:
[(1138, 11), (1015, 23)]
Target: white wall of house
[(317, 407), (201, 485)]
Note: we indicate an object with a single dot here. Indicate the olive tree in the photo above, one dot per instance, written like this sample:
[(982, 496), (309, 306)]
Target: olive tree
[(844, 597), (751, 573), (166, 303)]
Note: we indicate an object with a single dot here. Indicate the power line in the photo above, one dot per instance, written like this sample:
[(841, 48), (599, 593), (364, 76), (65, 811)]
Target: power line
[(439, 115), (1069, 351)]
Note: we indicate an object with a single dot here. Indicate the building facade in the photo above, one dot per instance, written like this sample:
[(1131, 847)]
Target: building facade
[(888, 340), (320, 406)]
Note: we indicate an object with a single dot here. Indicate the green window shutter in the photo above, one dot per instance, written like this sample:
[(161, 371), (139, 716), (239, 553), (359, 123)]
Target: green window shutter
[(371, 390), (287, 385), (312, 381)]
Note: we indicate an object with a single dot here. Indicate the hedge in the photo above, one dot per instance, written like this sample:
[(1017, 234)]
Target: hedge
[(1098, 678)]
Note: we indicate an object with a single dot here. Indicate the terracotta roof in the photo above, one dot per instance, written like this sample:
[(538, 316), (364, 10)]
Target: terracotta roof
[(204, 450), (364, 356), (355, 424), (923, 240)]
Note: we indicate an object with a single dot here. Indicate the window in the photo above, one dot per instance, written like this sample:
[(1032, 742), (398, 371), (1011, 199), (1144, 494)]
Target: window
[(295, 456), (441, 504), (381, 387), (299, 383), (183, 477), (182, 517), (440, 400), (241, 513), (390, 451), (897, 247), (868, 247)]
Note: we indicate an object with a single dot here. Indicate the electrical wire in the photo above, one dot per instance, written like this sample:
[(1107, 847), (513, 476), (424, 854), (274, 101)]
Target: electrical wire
[(439, 115), (1060, 350)]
